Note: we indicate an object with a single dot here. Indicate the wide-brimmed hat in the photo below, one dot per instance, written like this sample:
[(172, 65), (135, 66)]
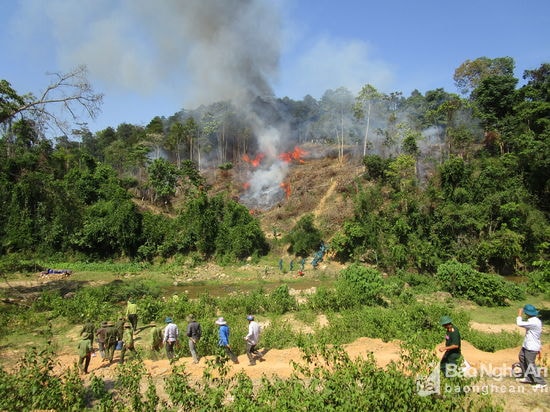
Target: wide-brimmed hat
[(250, 317), (221, 321), (168, 319), (84, 334), (110, 323), (445, 320), (530, 310), (127, 325)]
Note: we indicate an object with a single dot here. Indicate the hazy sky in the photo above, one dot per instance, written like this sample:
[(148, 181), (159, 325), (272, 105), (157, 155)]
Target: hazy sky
[(154, 58)]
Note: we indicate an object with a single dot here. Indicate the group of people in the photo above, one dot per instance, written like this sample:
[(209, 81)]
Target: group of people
[(120, 335), (109, 337), (528, 319), (170, 337)]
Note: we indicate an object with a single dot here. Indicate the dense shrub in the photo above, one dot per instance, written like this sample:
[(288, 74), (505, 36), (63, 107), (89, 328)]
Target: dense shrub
[(304, 237), (359, 285), (461, 280)]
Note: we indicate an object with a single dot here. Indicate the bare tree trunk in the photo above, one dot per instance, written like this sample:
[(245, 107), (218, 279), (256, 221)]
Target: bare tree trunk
[(366, 132)]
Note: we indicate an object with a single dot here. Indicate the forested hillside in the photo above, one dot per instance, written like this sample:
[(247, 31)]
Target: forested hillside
[(413, 182)]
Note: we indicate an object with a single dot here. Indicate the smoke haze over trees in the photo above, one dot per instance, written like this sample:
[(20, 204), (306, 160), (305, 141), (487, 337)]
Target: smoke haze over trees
[(445, 176)]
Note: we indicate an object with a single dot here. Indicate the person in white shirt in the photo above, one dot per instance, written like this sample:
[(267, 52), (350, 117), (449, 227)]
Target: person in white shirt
[(531, 346), (252, 340), (171, 336)]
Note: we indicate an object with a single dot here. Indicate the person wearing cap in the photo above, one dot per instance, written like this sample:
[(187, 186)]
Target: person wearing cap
[(100, 335), (84, 352), (127, 341), (194, 333), (131, 313), (452, 345), (156, 337), (171, 336), (223, 334), (252, 340), (531, 346)]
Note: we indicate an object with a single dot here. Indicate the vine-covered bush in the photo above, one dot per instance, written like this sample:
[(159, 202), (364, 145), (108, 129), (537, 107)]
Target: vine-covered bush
[(485, 289), (359, 285)]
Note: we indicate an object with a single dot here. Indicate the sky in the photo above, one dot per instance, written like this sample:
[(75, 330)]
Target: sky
[(154, 58)]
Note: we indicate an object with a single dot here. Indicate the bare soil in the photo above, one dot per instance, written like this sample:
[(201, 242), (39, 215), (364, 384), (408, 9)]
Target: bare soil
[(278, 363)]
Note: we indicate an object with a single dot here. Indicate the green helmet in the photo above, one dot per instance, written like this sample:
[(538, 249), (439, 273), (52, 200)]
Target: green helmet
[(445, 320)]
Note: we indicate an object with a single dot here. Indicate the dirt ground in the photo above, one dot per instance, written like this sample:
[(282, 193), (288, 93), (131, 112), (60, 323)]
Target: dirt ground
[(514, 396)]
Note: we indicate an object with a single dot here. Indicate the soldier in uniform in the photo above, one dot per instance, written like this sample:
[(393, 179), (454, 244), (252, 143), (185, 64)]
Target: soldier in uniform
[(127, 341), (111, 339)]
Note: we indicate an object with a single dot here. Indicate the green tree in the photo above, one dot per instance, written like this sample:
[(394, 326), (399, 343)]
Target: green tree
[(469, 75), (163, 178), (304, 237)]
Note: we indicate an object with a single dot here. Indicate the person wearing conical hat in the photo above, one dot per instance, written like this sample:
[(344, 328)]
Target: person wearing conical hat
[(223, 334), (451, 349), (531, 346), (84, 352)]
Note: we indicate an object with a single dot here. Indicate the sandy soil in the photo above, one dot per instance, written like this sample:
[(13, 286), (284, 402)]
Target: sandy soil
[(278, 363)]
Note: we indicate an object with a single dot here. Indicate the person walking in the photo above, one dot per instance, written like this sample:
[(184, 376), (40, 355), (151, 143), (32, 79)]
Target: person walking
[(100, 335), (84, 352), (131, 314), (452, 346), (119, 326), (171, 336), (531, 346), (223, 333), (111, 339), (127, 341), (252, 340), (194, 333), (156, 337), (89, 329)]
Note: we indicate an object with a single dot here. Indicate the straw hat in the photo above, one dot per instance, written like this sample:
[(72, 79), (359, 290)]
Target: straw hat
[(221, 321)]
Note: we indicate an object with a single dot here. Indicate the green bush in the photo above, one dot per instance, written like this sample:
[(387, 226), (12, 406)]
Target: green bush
[(461, 280), (491, 342), (359, 285), (304, 237)]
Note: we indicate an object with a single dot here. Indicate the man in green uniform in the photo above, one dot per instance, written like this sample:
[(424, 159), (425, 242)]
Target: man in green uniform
[(84, 352), (131, 313), (452, 346), (111, 339), (127, 341), (156, 337)]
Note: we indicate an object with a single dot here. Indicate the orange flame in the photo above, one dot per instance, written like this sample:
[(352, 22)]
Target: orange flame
[(254, 162), (286, 188), (296, 155)]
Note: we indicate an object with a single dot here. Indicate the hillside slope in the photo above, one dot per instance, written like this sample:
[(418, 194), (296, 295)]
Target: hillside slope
[(321, 186)]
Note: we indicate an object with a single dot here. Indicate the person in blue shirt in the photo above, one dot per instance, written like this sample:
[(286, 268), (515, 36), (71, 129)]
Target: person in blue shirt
[(223, 342)]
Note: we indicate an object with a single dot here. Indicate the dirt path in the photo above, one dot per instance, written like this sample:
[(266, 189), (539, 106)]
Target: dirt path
[(278, 363), (321, 206)]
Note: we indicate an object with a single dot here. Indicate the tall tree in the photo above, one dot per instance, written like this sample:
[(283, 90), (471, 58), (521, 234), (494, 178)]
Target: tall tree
[(469, 74), (366, 97)]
